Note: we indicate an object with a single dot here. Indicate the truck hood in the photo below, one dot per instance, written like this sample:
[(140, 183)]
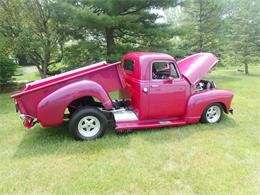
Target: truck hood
[(196, 66)]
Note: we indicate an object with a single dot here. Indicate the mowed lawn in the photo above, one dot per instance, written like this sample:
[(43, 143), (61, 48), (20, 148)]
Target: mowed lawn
[(197, 159)]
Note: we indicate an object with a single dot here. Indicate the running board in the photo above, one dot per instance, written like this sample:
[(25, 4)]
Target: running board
[(121, 126)]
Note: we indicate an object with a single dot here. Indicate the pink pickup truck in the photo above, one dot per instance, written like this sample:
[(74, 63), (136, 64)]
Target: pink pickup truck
[(154, 90)]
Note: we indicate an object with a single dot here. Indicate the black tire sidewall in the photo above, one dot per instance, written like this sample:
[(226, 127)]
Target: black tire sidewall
[(204, 117), (87, 111)]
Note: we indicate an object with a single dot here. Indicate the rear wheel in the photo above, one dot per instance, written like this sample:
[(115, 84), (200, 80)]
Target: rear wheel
[(212, 114), (88, 123)]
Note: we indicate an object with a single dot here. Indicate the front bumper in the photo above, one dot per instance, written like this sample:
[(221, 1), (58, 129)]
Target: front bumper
[(231, 110)]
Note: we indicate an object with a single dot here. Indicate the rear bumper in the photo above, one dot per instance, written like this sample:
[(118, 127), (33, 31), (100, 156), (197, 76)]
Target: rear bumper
[(28, 121)]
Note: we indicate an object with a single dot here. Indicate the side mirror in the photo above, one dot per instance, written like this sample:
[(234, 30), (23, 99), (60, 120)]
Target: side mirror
[(170, 78)]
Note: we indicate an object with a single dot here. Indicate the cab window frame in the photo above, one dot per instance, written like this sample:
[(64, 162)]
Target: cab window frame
[(165, 61)]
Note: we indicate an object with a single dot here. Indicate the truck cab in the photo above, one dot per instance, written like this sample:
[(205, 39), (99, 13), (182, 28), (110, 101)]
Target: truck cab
[(154, 85), (154, 90)]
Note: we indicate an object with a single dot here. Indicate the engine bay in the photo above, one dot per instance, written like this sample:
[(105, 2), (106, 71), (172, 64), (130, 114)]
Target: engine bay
[(205, 85)]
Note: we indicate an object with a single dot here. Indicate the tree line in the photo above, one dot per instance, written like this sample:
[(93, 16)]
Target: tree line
[(59, 35)]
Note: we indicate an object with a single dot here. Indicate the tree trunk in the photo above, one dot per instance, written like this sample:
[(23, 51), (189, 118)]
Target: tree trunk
[(200, 28), (110, 43), (246, 68), (21, 58), (46, 58), (45, 70)]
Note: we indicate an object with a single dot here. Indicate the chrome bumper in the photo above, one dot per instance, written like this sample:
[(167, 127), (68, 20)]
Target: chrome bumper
[(28, 121)]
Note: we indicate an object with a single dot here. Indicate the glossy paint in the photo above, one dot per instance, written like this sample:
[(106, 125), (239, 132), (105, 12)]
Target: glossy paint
[(56, 101), (145, 104), (156, 103), (46, 99), (174, 92), (198, 102), (196, 66)]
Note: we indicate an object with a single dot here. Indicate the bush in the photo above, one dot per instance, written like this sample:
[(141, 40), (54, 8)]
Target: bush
[(57, 68), (7, 68)]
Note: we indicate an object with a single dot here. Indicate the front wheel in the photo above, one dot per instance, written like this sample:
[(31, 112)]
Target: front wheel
[(88, 123), (212, 114)]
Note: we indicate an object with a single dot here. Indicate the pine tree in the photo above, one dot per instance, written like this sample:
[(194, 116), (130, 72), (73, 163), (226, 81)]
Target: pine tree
[(114, 22), (245, 31), (203, 25)]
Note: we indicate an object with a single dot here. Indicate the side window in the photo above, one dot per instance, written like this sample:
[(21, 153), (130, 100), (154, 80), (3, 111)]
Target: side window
[(174, 71), (163, 70), (129, 65)]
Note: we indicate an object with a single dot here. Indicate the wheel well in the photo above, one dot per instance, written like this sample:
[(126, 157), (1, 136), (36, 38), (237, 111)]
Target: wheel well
[(85, 101), (220, 103), (223, 106)]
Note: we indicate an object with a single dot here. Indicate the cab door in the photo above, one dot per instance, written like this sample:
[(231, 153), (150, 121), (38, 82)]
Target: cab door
[(168, 91)]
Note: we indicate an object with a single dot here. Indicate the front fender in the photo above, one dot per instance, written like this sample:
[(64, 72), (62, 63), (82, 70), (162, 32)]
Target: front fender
[(199, 101), (50, 110)]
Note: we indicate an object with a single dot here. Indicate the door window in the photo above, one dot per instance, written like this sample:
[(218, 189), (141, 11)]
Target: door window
[(164, 70)]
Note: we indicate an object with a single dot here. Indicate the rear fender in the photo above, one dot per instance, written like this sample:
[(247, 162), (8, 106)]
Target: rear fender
[(50, 110), (199, 101)]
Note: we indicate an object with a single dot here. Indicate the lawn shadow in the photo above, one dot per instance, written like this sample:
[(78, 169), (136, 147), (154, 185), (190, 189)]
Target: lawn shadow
[(176, 134), (59, 141)]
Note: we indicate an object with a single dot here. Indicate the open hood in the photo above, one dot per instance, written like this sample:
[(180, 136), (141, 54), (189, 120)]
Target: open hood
[(196, 66)]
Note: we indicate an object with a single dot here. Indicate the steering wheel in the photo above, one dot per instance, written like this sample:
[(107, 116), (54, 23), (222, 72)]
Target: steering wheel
[(155, 76)]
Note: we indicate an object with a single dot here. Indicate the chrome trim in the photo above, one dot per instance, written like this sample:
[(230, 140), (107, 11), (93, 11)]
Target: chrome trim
[(123, 115), (26, 116), (23, 117)]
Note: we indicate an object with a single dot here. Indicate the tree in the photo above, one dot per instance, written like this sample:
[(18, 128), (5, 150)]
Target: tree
[(34, 30), (202, 24), (113, 22), (7, 68), (43, 34), (244, 23), (8, 31)]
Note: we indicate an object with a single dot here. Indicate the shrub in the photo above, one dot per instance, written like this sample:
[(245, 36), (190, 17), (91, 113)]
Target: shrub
[(57, 68), (7, 68)]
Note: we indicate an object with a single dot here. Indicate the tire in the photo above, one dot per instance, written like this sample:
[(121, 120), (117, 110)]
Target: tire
[(212, 114), (88, 123)]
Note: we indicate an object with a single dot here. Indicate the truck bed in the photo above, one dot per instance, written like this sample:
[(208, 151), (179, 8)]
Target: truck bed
[(105, 74)]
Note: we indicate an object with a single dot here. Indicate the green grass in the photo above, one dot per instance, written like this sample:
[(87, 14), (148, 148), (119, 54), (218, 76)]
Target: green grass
[(32, 75), (197, 159)]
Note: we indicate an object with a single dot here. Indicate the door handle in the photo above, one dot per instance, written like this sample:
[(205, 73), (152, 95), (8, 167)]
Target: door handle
[(145, 90), (154, 86)]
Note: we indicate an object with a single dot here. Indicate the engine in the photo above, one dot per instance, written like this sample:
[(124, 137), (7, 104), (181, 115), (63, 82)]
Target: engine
[(204, 85)]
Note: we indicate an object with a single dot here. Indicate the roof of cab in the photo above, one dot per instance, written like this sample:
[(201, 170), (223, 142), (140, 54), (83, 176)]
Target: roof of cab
[(142, 61), (151, 55)]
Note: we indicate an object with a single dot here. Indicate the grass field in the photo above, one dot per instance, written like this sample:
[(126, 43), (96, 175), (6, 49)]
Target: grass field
[(27, 73), (198, 159)]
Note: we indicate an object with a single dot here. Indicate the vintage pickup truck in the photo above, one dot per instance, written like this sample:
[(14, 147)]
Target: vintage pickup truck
[(154, 90)]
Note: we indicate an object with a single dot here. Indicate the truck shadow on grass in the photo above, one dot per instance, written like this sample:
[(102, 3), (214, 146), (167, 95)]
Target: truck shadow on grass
[(59, 141), (177, 134)]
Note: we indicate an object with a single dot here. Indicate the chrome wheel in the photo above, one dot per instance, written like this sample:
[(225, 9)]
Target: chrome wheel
[(89, 126), (213, 114)]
